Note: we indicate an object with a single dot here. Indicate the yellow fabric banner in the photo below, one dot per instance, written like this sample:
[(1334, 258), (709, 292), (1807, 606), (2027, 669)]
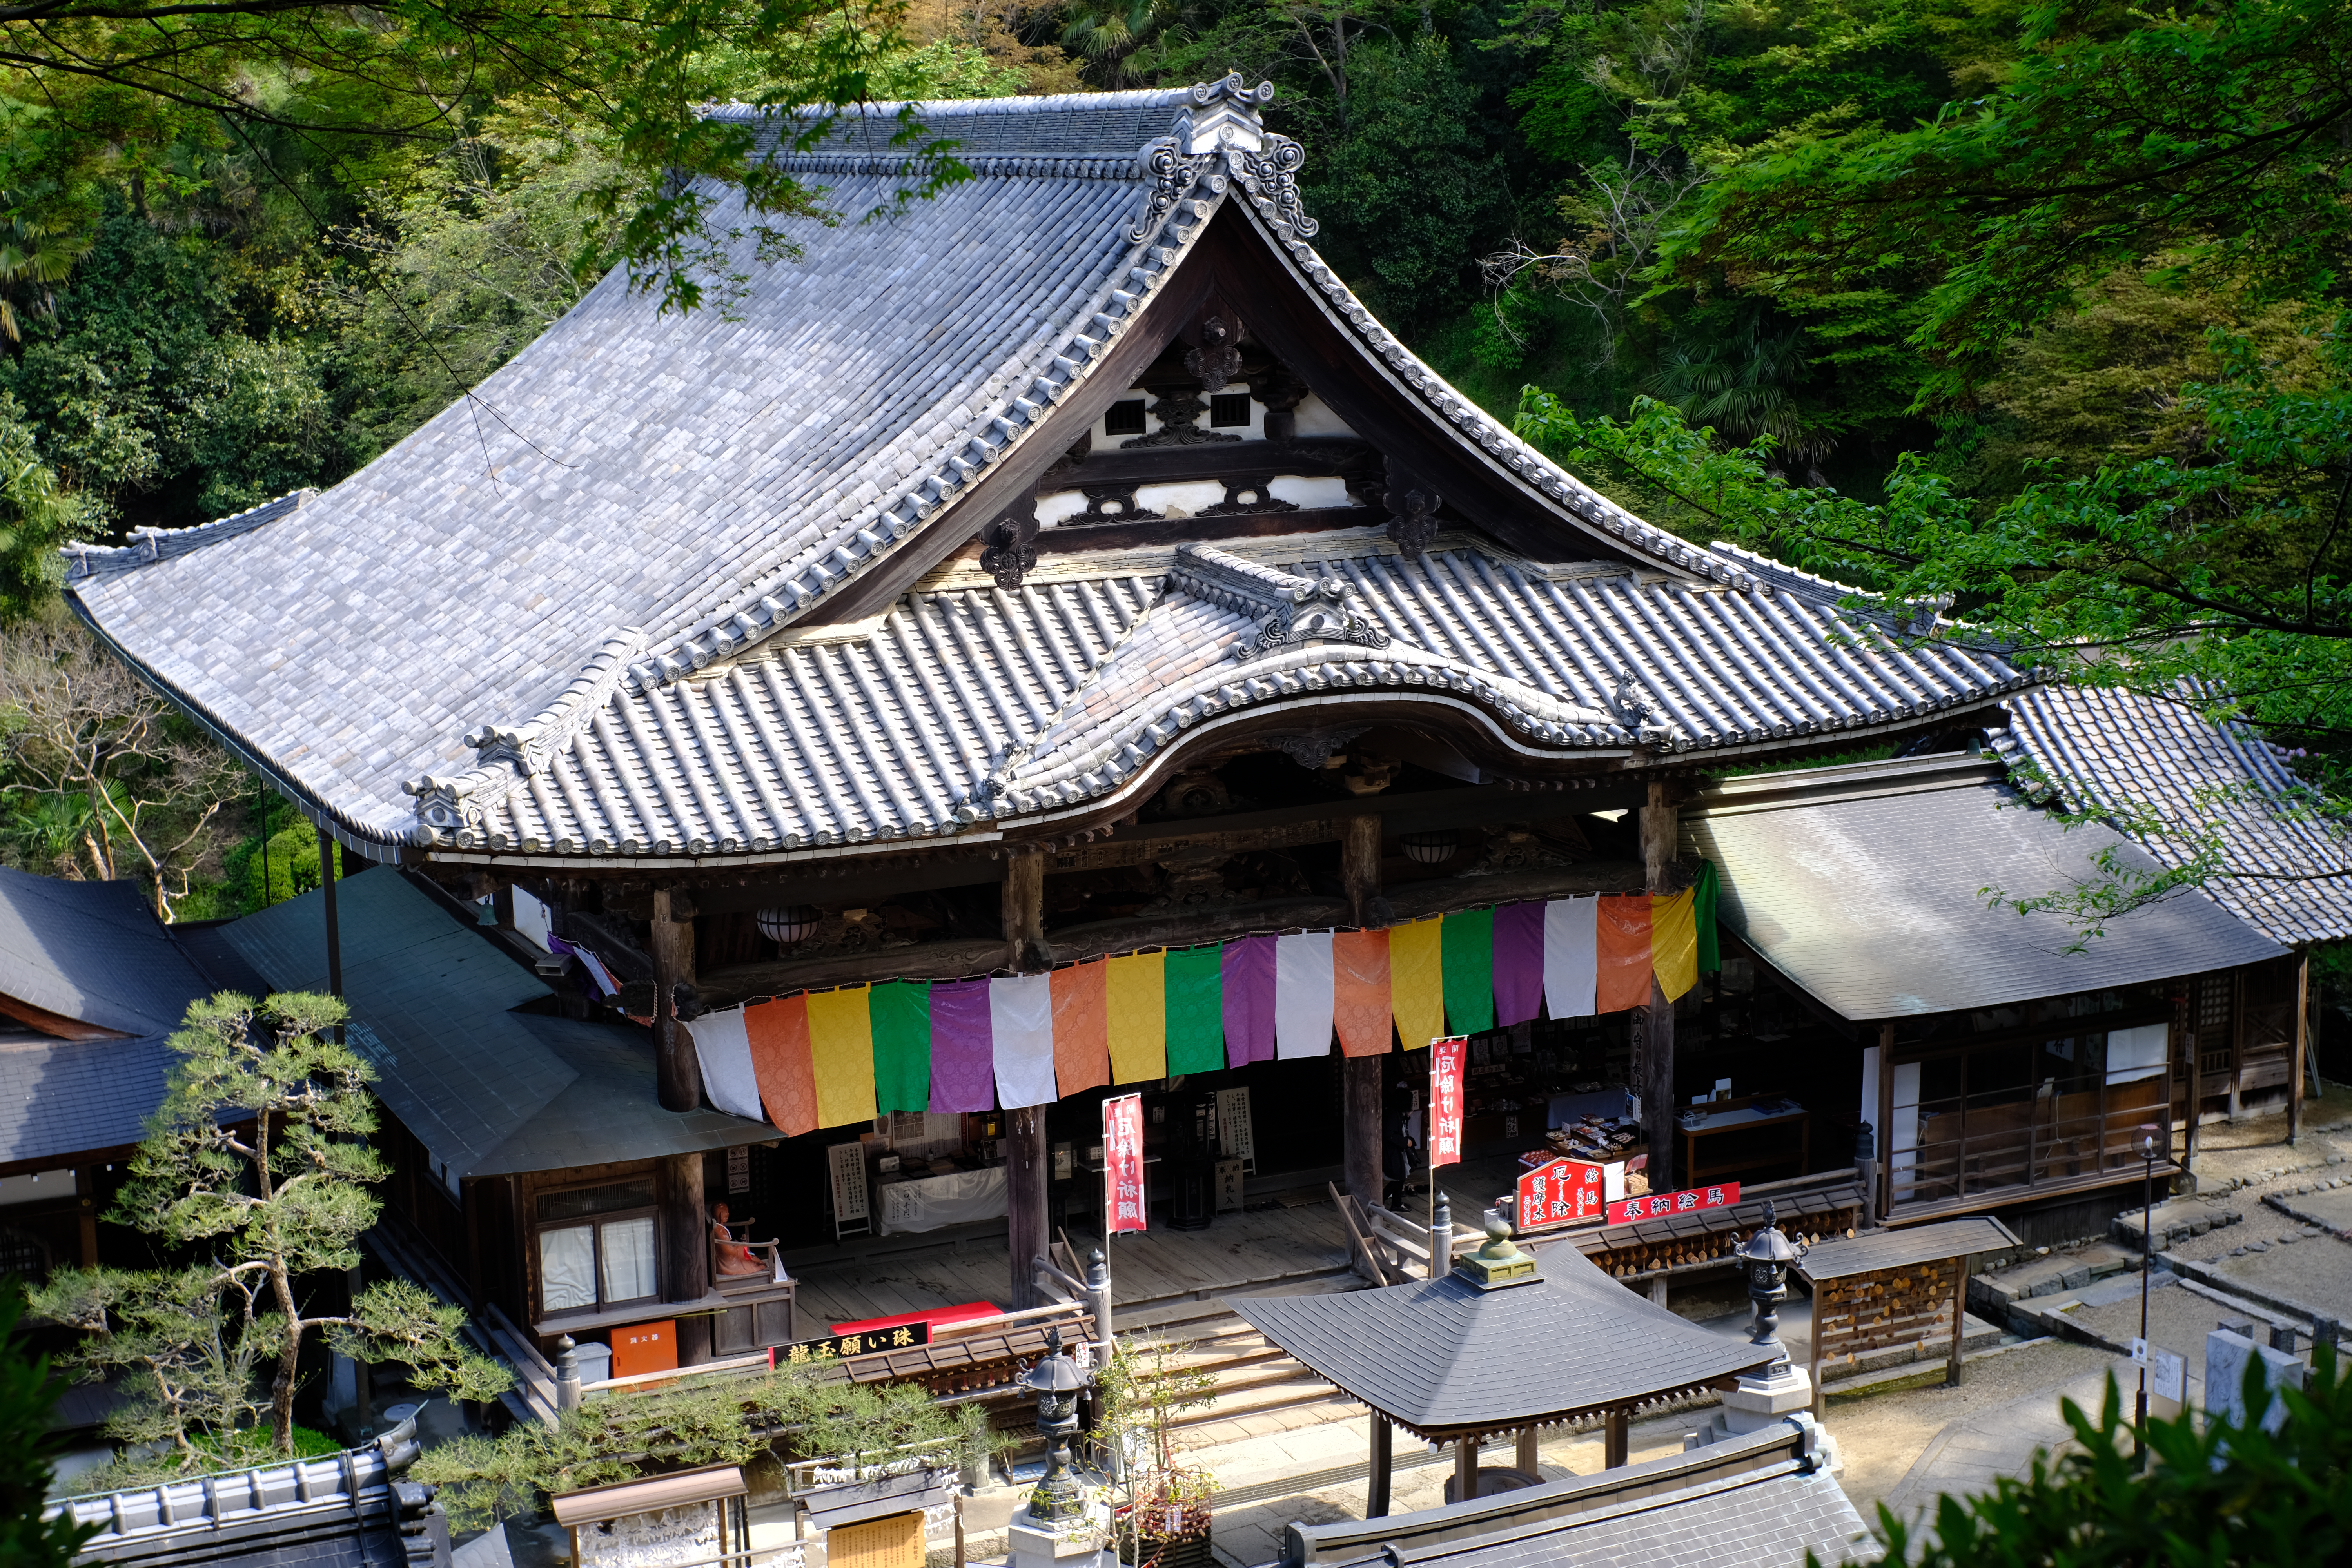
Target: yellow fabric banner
[(1673, 943), (841, 1052), (1417, 983), (1138, 987)]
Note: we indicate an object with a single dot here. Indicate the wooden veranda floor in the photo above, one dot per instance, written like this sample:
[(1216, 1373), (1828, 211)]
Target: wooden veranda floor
[(1288, 1240)]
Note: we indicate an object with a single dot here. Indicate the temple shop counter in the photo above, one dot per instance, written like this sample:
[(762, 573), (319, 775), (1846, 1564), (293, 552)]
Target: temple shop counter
[(928, 1203)]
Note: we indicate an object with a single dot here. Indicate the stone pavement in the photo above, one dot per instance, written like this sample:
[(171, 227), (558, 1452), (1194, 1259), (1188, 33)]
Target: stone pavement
[(1970, 1455)]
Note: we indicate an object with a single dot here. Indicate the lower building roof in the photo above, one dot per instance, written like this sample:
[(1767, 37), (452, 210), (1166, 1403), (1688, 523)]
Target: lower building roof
[(1764, 1500), (1875, 888)]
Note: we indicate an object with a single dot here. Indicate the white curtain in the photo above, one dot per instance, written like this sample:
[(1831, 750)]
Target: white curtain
[(567, 1267), (629, 1259), (2137, 1053)]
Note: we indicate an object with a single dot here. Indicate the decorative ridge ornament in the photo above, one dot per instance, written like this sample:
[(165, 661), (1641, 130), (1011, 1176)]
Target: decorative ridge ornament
[(1287, 609), (1500, 1262)]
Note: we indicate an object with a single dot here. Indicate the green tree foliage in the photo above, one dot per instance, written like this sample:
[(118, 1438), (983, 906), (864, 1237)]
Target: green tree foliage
[(27, 1448), (709, 1421), (258, 1158), (2229, 1496)]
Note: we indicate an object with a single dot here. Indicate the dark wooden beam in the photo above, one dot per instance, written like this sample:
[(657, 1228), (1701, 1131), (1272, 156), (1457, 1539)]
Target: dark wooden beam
[(1655, 1026), (680, 1075), (1315, 456), (1359, 1076), (1025, 1170), (1077, 537), (1015, 477), (686, 1251)]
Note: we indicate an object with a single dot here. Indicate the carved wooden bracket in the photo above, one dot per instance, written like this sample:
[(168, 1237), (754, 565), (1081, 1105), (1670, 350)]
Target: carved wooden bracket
[(1010, 543), (1216, 357), (1412, 511)]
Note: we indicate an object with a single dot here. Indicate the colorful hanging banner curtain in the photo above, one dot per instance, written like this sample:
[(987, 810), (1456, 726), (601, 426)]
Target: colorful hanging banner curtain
[(1445, 1059), (1123, 1198), (833, 1059)]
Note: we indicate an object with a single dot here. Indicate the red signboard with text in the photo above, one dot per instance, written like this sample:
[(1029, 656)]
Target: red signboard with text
[(1658, 1206), (1559, 1191), (1123, 1203), (1445, 1058)]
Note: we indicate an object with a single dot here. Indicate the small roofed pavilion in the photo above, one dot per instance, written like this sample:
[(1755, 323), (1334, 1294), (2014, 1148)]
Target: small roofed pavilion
[(1501, 1343)]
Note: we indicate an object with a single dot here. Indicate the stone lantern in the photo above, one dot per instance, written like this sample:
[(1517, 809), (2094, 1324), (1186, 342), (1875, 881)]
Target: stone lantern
[(1057, 1383), (1768, 1255), (1780, 1390)]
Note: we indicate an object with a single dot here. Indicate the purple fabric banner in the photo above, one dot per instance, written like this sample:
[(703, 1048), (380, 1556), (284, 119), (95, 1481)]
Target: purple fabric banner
[(1247, 969), (964, 1057), (1518, 962)]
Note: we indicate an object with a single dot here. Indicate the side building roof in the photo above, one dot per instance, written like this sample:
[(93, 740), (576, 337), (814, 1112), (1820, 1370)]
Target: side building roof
[(2187, 789), (1871, 886)]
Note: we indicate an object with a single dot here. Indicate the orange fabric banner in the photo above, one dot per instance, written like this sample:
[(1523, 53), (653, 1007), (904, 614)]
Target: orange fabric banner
[(1082, 1026), (782, 1061), (1622, 941), (1360, 992)]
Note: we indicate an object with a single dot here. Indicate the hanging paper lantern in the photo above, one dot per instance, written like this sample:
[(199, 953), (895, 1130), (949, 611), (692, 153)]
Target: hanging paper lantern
[(787, 925), (1428, 848)]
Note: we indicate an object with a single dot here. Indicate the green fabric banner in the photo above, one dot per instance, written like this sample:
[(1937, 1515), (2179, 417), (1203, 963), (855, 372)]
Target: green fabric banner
[(901, 1015), (1703, 896), (1195, 990), (1467, 944)]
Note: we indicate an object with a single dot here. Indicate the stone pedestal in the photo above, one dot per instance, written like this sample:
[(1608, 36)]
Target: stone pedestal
[(1082, 1542), (1757, 1404)]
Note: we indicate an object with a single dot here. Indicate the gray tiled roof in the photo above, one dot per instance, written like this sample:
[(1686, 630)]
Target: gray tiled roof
[(59, 1097), (965, 702), (2182, 785), (487, 1089), (1763, 1500), (1866, 886), (638, 497), (1444, 1356), (93, 951), (1844, 1257)]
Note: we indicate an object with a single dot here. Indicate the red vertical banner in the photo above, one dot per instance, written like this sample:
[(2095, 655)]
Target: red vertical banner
[(1445, 1058), (1123, 1203)]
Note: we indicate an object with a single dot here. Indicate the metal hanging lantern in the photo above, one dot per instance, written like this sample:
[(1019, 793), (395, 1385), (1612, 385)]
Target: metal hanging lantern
[(1431, 848), (788, 924), (1768, 1255), (1056, 1381)]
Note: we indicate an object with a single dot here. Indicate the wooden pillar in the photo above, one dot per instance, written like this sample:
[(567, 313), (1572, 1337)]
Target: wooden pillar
[(2302, 1047), (1527, 1459), (686, 1251), (1026, 1230), (1026, 1168), (1959, 1324), (1656, 1022), (1616, 1439), (1658, 1290), (86, 1212), (1359, 1076), (2236, 1037), (1024, 893), (679, 1075), (1465, 1470), (1384, 1473), (327, 858)]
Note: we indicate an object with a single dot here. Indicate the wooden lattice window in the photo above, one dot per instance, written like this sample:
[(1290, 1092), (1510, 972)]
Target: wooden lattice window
[(23, 1254), (1124, 418), (2216, 1006)]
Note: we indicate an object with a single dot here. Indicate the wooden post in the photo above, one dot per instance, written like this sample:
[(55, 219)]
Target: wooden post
[(1027, 1234), (1887, 1125), (1617, 1438), (1656, 1022), (1658, 1290), (86, 1189), (1383, 1474), (2302, 1046), (1825, 1295), (1023, 894), (1527, 1459), (1026, 1230), (1959, 1322), (679, 1075), (334, 928), (686, 1252), (1359, 1076), (1465, 1470), (2236, 1037)]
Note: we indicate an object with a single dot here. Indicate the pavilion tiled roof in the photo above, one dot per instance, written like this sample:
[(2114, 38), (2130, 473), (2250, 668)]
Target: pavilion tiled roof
[(564, 613), (1445, 1358), (2181, 785)]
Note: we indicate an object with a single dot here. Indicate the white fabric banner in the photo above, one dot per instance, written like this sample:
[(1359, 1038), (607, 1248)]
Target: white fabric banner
[(724, 1050), (2137, 1053), (1302, 995), (926, 1203), (1571, 970), (1021, 1023)]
